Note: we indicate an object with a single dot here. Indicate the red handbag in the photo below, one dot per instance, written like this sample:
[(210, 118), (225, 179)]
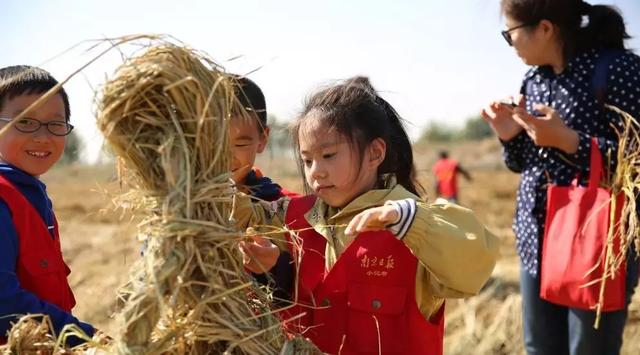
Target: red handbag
[(575, 249)]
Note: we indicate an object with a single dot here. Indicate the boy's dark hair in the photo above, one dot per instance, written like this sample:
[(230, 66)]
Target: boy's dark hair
[(27, 80), (604, 24), (356, 111), (251, 98), (443, 154)]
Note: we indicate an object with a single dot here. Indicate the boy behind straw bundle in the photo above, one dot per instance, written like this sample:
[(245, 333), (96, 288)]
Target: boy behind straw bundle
[(248, 137)]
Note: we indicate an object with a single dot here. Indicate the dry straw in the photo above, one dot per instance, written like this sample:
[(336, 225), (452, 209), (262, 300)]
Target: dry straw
[(33, 334), (489, 323), (625, 181), (165, 115)]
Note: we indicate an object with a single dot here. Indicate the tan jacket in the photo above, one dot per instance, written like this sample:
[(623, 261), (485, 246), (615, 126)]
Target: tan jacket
[(456, 252)]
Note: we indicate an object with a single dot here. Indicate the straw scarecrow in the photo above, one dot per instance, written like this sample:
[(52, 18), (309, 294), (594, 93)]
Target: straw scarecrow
[(165, 115)]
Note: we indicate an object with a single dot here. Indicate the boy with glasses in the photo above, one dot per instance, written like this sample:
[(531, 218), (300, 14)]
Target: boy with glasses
[(33, 274)]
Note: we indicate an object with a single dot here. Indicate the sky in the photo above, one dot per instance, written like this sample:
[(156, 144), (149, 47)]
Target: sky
[(434, 61)]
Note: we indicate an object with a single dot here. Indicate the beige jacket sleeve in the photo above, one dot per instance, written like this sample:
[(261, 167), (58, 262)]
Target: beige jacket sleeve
[(267, 218), (457, 251)]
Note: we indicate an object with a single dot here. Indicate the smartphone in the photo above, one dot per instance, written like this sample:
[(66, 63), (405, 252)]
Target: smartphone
[(509, 104)]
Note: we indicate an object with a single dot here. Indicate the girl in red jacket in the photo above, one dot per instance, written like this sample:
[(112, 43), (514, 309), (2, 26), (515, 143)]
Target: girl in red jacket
[(378, 285)]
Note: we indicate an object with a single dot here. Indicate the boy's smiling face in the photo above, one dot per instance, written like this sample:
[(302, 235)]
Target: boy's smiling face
[(247, 140), (35, 152)]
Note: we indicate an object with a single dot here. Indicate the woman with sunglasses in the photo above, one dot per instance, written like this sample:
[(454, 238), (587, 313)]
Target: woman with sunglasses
[(578, 64)]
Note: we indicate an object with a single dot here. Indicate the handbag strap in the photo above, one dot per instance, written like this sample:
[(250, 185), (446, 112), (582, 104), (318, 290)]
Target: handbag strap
[(600, 72), (599, 87), (595, 165)]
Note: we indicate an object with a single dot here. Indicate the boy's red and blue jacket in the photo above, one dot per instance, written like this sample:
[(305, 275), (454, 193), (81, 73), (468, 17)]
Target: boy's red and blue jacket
[(280, 277), (32, 272), (263, 188)]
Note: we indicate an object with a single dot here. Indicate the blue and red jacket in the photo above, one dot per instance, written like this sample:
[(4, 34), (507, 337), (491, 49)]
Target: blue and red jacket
[(280, 277), (263, 188), (33, 274)]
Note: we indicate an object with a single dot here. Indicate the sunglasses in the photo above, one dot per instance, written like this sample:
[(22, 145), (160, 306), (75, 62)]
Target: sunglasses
[(506, 34), (30, 125)]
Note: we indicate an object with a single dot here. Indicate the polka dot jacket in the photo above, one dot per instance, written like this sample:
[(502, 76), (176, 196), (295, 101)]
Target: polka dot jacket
[(572, 95)]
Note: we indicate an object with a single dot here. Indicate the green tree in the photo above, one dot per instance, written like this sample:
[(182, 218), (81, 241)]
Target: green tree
[(72, 148), (278, 134), (475, 128), (437, 132)]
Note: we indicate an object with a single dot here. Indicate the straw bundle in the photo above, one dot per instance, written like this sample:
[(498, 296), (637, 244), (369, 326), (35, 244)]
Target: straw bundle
[(33, 334), (489, 323), (625, 181), (30, 336), (165, 115)]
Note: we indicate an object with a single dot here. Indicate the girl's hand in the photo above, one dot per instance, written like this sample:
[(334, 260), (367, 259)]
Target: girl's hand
[(548, 130), (499, 117), (259, 255), (372, 219)]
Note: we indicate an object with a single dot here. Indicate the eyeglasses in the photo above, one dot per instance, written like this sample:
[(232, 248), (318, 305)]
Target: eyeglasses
[(507, 33), (30, 125)]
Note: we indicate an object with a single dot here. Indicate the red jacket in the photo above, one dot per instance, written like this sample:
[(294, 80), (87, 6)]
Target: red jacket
[(40, 267), (366, 303), (446, 171)]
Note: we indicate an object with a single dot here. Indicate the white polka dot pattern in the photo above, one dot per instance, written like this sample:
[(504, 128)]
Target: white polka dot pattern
[(571, 95)]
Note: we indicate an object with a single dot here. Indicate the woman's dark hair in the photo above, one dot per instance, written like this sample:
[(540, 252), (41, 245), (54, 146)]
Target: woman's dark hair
[(354, 109), (582, 26), (26, 80)]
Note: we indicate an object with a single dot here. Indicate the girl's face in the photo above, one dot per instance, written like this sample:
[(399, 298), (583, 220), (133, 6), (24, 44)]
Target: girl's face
[(332, 166), (535, 44)]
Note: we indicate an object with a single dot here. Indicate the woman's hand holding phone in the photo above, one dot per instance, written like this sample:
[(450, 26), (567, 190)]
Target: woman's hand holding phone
[(499, 117)]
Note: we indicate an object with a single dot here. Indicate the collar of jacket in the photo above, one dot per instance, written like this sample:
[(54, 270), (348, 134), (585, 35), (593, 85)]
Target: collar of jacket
[(323, 217)]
